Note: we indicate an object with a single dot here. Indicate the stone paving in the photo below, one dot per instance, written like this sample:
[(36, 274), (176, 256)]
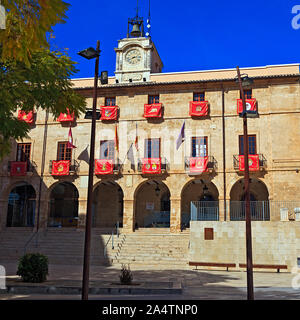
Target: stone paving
[(195, 284)]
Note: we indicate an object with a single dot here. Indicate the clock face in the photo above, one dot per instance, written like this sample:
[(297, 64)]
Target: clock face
[(133, 56)]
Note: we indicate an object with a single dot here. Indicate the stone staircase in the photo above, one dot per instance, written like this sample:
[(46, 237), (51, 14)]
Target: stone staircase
[(62, 246), (155, 248)]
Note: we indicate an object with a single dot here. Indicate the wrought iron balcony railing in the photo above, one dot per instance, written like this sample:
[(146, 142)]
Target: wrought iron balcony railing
[(199, 165), (63, 167), (256, 162), (153, 165)]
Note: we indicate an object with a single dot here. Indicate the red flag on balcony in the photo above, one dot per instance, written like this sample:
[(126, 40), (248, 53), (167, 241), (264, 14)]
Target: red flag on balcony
[(153, 110), (18, 168), (251, 106), (70, 140), (109, 113), (151, 165), (198, 108), (60, 167), (198, 164), (28, 117), (104, 166), (253, 160), (66, 117)]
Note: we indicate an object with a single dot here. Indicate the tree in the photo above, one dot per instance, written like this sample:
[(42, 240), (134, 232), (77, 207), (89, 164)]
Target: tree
[(32, 76)]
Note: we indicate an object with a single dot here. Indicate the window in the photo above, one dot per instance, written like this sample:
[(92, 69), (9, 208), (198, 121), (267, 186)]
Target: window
[(152, 148), (64, 153), (251, 144), (199, 96), (110, 101), (23, 152), (199, 147), (153, 99), (107, 149), (248, 94)]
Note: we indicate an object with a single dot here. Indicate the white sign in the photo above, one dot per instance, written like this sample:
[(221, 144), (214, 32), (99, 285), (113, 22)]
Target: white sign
[(149, 205)]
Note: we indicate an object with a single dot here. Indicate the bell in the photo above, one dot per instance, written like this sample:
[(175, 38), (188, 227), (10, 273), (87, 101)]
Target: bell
[(136, 32)]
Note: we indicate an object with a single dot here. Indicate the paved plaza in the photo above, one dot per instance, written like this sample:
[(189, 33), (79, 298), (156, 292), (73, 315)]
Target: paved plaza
[(194, 284)]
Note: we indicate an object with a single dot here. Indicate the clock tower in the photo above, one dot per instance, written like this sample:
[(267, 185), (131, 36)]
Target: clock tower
[(136, 55)]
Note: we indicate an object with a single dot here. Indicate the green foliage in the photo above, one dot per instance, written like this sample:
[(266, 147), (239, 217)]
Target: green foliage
[(32, 76), (126, 275), (27, 25), (33, 267)]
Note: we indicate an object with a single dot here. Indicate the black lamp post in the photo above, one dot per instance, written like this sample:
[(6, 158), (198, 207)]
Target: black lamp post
[(245, 81), (90, 53)]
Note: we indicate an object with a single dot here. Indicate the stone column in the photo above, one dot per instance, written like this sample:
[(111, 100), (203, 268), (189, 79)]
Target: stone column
[(128, 216), (222, 209), (44, 214), (82, 207), (175, 215), (3, 214)]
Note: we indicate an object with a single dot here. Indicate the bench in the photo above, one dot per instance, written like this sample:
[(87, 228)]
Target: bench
[(265, 266), (212, 264)]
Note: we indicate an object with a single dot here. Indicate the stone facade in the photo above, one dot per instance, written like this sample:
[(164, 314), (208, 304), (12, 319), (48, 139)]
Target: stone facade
[(276, 128)]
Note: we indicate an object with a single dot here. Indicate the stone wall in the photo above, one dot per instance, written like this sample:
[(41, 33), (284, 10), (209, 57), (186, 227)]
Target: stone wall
[(272, 242)]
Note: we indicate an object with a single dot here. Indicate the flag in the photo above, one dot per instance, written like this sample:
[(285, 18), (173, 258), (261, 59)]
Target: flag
[(70, 140), (136, 142), (84, 156), (116, 139), (130, 155), (181, 137)]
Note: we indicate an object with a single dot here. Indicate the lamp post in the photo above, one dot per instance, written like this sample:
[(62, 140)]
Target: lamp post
[(246, 81), (90, 53)]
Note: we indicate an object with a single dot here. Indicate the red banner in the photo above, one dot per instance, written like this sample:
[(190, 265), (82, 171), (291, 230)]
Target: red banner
[(198, 164), (27, 117), (198, 108), (18, 168), (151, 165), (109, 113), (253, 160), (104, 166), (153, 110), (60, 167), (65, 117), (251, 106)]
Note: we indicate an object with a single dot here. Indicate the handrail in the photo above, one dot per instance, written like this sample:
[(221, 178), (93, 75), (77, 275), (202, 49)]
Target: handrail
[(112, 239), (33, 236)]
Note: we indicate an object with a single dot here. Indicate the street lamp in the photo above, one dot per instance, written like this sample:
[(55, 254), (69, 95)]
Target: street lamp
[(245, 81), (90, 53)]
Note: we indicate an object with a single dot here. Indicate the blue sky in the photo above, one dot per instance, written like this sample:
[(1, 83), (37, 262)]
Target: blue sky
[(189, 35)]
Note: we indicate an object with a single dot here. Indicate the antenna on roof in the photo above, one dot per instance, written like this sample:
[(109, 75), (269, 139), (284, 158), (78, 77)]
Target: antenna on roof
[(137, 8), (148, 24)]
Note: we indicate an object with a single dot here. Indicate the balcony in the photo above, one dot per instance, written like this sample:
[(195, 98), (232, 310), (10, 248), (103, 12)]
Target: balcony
[(153, 166), (28, 117), (251, 107), (63, 167), (199, 165), (257, 162), (66, 117), (153, 110), (198, 108), (21, 168), (107, 166), (109, 113)]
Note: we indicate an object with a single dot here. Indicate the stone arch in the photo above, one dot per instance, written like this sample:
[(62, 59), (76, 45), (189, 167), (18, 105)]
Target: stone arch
[(107, 204), (63, 198), (21, 205), (259, 200), (152, 204), (204, 192)]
